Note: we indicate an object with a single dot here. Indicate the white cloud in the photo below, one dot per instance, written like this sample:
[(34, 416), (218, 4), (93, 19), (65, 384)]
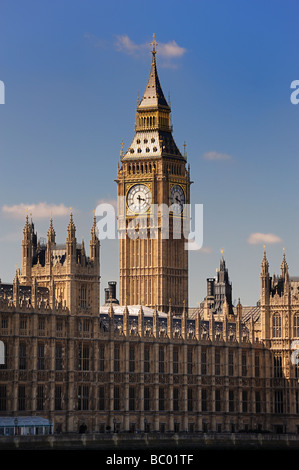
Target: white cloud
[(39, 211), (111, 201), (169, 50), (125, 44), (256, 238), (216, 156)]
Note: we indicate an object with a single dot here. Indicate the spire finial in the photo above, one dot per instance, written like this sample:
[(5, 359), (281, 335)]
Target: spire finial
[(154, 44), (185, 145)]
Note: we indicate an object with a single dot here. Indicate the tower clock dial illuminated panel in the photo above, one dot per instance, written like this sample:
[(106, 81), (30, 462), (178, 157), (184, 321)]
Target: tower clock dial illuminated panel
[(177, 198), (139, 198)]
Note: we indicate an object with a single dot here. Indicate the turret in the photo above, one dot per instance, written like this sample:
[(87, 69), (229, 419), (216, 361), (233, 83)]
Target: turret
[(27, 250), (34, 293), (16, 290), (71, 242), (140, 322), (265, 280), (94, 244), (265, 298), (51, 235), (169, 322), (284, 269)]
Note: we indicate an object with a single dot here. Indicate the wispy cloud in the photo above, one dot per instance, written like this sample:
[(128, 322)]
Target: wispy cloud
[(125, 44), (110, 201), (169, 50), (41, 210), (216, 156), (95, 41), (257, 238)]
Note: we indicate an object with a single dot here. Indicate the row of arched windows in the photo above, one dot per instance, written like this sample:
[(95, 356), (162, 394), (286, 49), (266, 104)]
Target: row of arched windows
[(134, 168), (276, 326), (151, 121)]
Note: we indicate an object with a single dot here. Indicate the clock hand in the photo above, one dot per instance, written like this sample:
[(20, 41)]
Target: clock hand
[(140, 199)]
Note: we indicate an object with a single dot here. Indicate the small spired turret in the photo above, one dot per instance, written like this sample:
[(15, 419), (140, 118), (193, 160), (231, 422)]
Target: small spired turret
[(71, 243), (94, 243), (265, 279), (219, 291), (279, 285), (284, 269)]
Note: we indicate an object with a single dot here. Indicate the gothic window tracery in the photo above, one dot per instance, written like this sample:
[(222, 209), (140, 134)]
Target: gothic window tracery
[(276, 323)]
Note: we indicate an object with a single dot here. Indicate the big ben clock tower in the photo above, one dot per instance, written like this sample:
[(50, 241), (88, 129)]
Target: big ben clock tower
[(153, 194)]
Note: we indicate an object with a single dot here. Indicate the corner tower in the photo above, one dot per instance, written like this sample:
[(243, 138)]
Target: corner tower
[(153, 178)]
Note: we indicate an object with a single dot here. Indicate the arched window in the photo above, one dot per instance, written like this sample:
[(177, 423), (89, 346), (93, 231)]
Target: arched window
[(83, 297), (276, 326), (296, 325)]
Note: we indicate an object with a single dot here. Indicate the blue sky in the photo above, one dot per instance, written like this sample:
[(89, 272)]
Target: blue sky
[(72, 72)]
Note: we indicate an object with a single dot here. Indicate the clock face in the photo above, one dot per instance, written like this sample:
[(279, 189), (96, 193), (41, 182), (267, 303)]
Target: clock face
[(139, 198), (177, 199)]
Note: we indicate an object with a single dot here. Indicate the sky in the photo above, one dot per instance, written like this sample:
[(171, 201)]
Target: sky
[(72, 72)]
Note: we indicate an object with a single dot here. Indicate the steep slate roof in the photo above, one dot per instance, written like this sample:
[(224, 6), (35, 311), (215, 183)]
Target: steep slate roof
[(153, 96)]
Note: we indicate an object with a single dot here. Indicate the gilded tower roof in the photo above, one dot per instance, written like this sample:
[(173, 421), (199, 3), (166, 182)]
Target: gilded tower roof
[(153, 137), (153, 96)]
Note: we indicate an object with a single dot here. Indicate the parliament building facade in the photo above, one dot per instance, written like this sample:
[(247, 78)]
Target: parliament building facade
[(147, 362)]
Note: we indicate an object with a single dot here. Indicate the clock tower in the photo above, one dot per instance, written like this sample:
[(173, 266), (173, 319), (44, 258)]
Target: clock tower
[(153, 197)]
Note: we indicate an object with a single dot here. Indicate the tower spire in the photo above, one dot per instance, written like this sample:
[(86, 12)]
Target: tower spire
[(265, 264), (284, 266), (51, 232), (94, 241), (153, 118), (153, 97), (71, 242)]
